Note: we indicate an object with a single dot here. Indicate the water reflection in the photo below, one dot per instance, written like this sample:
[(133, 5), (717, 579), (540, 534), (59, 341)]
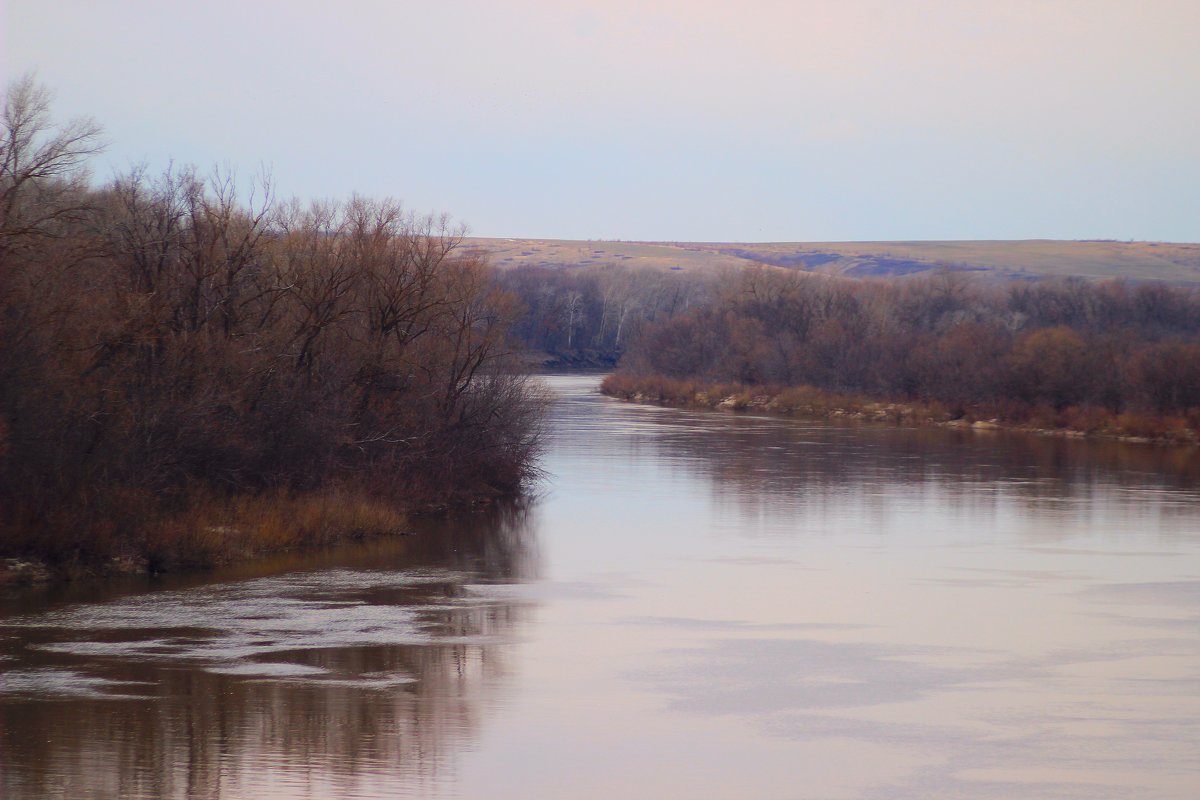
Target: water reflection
[(364, 677), (762, 458), (872, 612), (793, 472), (700, 605)]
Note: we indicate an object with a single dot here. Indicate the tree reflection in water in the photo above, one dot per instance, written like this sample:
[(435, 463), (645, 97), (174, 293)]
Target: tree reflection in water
[(775, 467), (361, 670)]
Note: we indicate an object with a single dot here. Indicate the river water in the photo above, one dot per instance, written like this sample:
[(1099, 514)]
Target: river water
[(697, 605)]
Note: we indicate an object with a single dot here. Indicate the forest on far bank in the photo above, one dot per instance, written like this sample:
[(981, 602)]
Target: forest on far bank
[(1108, 356), (1111, 356)]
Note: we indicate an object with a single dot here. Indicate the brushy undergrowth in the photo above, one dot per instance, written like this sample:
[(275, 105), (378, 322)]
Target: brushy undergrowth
[(137, 533), (215, 530)]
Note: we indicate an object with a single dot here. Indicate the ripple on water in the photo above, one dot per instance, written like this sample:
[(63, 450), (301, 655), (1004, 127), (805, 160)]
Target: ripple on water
[(235, 628), (60, 683)]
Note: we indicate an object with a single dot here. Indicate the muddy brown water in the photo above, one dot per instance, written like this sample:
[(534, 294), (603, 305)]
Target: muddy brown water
[(697, 605)]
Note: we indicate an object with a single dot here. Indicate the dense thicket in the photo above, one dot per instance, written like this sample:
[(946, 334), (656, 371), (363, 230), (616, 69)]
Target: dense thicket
[(1016, 349), (162, 337), (589, 316)]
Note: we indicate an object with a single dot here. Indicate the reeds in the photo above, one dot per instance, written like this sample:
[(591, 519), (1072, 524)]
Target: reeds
[(134, 532)]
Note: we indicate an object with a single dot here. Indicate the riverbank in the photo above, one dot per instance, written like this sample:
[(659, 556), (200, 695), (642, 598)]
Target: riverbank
[(813, 403), (209, 532)]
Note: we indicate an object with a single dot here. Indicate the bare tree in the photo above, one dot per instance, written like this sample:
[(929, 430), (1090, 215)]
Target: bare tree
[(42, 166), (573, 314)]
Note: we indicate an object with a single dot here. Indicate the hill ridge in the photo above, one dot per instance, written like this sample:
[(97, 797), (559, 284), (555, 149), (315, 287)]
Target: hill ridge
[(1003, 259)]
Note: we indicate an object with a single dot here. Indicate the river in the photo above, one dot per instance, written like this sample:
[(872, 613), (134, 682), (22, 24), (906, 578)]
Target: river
[(696, 605)]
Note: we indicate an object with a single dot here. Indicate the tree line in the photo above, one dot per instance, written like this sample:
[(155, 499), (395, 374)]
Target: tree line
[(176, 335), (588, 317), (1071, 351)]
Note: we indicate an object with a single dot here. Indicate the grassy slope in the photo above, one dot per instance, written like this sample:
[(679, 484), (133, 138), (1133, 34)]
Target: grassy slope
[(561, 252), (1036, 258)]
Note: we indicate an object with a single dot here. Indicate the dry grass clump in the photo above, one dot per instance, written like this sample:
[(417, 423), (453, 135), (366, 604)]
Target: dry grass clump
[(215, 530), (807, 401), (137, 532)]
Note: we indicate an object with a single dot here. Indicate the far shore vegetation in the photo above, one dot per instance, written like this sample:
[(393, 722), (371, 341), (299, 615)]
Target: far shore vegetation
[(193, 371), (1073, 357), (809, 402)]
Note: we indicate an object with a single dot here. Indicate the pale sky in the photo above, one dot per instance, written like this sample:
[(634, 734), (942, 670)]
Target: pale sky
[(721, 121)]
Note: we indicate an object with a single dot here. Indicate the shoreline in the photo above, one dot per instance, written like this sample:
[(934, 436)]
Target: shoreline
[(212, 533), (806, 402)]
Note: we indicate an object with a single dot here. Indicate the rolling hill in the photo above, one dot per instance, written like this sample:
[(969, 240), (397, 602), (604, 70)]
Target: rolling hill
[(1031, 259)]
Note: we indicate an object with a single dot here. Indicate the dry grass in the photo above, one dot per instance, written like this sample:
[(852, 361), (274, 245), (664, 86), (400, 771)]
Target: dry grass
[(215, 530), (137, 532), (1043, 258), (508, 253), (805, 401), (811, 402)]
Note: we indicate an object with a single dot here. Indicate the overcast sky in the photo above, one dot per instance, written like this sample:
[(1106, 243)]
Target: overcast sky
[(697, 120)]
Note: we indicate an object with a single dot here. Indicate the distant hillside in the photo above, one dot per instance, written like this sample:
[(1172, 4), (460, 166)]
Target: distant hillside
[(1022, 259)]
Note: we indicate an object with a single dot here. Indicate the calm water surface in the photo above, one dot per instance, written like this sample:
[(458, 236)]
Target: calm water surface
[(700, 605)]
